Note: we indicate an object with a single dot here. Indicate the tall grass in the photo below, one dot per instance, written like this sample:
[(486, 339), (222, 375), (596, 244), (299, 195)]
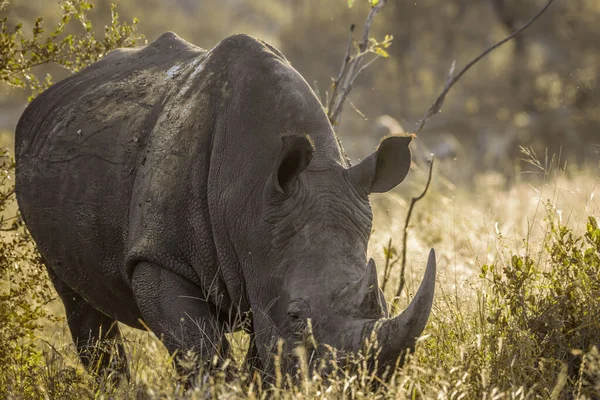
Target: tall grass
[(516, 313)]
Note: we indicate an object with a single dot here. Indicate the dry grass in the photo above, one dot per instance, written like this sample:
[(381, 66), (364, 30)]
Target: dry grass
[(465, 352)]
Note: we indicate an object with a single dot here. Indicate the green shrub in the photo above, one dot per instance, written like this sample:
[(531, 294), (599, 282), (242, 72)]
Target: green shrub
[(543, 313), (19, 53), (27, 371)]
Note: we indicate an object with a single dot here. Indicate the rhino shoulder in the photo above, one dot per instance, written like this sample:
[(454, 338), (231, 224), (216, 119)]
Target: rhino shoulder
[(166, 47)]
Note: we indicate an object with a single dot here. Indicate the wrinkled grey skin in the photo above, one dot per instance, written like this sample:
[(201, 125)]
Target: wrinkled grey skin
[(184, 188)]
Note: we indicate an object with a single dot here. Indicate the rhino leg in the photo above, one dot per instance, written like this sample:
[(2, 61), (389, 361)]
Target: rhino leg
[(252, 361), (176, 310), (96, 336)]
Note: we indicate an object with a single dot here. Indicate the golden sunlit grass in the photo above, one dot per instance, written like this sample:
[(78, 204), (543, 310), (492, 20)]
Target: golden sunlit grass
[(504, 259)]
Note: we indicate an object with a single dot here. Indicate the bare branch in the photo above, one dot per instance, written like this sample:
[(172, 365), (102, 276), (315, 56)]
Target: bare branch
[(405, 237), (352, 76), (389, 264), (334, 117), (362, 115), (352, 66), (386, 269), (343, 70), (365, 66), (367, 29), (316, 90), (439, 102)]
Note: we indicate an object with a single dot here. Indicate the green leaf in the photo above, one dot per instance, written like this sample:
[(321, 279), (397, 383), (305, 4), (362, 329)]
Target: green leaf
[(374, 2), (381, 52), (350, 3)]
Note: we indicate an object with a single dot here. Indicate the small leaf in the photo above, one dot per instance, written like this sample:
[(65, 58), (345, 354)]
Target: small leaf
[(381, 52), (350, 3), (374, 2)]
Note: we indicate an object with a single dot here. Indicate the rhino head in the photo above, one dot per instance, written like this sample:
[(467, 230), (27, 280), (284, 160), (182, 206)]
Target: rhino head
[(315, 222)]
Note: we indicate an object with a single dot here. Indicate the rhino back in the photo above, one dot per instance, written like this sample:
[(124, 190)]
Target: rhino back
[(100, 157)]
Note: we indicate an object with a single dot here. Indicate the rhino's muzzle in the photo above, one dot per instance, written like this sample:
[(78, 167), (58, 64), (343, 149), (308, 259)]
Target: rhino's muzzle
[(397, 335)]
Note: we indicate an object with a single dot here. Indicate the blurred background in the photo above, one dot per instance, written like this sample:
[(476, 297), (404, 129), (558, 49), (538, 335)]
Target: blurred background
[(539, 91)]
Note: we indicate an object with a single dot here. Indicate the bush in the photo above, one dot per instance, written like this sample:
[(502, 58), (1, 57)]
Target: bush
[(28, 372), (543, 313), (24, 293), (19, 53)]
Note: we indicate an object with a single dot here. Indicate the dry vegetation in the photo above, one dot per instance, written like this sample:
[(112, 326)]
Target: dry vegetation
[(515, 314)]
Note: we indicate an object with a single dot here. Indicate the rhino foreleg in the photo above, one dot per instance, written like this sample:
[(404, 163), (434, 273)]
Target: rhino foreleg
[(177, 311), (96, 336), (253, 361)]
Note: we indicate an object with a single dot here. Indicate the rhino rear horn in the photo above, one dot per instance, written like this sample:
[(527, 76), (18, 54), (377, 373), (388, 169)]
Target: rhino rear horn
[(363, 298)]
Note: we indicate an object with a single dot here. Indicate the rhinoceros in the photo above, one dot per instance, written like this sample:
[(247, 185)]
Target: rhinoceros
[(178, 189)]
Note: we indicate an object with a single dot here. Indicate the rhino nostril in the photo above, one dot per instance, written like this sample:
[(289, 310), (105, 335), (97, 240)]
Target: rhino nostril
[(298, 309), (298, 312), (295, 318), (293, 315), (298, 325)]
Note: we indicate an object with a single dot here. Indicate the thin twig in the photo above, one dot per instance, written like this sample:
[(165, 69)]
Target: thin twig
[(362, 115), (389, 264), (388, 258), (451, 80), (405, 237), (365, 66), (335, 116), (367, 28), (317, 92)]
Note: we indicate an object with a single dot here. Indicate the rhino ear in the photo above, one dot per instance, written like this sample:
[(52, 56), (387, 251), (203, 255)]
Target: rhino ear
[(294, 156), (385, 168)]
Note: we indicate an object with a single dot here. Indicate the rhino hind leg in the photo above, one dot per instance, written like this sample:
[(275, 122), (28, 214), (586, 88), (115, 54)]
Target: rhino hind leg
[(177, 311), (96, 336)]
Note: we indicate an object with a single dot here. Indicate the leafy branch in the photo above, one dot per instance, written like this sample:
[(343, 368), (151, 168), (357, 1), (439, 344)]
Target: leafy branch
[(20, 53), (359, 56)]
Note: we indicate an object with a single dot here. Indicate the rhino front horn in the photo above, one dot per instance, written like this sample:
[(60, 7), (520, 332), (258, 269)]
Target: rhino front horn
[(399, 334)]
